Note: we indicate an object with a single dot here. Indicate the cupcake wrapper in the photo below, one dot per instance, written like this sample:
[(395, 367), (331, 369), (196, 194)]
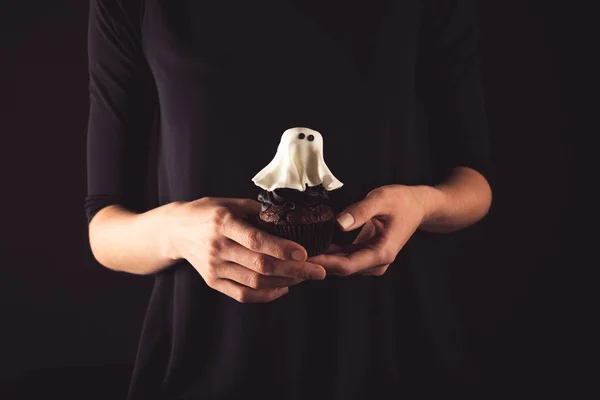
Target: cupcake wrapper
[(315, 238)]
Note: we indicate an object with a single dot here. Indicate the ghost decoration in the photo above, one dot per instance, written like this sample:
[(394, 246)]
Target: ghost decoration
[(298, 162)]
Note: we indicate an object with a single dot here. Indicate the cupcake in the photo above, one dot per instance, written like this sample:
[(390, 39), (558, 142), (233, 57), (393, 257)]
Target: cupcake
[(295, 185)]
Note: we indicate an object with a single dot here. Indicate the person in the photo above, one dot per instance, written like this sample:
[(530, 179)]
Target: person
[(235, 313)]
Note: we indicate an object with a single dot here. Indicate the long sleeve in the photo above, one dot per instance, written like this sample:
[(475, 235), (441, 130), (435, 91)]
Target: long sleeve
[(122, 105), (454, 101)]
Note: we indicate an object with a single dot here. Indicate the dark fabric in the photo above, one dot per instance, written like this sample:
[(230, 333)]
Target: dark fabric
[(70, 383), (394, 88)]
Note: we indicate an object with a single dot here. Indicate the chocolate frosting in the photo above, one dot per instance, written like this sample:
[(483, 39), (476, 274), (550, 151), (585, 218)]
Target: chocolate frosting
[(292, 198)]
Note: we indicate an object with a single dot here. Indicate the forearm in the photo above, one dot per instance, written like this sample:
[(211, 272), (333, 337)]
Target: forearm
[(462, 200), (135, 243)]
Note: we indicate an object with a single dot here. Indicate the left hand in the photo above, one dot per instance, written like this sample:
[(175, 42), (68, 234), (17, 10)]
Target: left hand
[(389, 215)]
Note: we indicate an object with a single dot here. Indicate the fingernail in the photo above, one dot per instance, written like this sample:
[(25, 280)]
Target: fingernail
[(298, 255), (345, 220), (317, 274)]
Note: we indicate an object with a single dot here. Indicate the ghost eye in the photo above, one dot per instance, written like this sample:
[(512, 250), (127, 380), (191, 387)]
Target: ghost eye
[(301, 136), (311, 138)]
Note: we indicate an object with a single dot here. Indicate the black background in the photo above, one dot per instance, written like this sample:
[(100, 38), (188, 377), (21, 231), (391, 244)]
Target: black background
[(66, 322)]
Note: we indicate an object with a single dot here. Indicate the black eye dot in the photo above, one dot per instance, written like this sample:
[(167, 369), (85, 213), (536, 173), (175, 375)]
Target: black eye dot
[(311, 138), (301, 136)]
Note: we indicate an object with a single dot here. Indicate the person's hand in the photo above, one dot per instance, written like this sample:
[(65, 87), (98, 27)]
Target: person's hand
[(389, 215), (234, 257)]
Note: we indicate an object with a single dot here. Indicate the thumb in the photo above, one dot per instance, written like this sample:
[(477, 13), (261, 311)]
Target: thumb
[(359, 213)]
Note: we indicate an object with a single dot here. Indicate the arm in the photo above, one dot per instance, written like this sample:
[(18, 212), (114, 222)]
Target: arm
[(462, 200), (212, 234), (134, 243), (390, 215), (122, 97)]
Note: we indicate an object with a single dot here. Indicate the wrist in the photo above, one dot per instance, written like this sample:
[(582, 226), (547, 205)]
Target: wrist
[(432, 201), (172, 217)]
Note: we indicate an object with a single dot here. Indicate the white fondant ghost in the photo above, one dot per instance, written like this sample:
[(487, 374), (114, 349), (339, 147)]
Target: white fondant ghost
[(298, 162)]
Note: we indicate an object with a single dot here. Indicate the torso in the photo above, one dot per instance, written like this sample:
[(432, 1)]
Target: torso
[(231, 77)]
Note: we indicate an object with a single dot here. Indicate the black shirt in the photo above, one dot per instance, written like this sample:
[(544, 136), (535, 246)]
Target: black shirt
[(394, 88)]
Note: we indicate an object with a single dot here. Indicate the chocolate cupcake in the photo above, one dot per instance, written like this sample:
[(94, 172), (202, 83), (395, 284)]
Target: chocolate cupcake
[(304, 217), (295, 196)]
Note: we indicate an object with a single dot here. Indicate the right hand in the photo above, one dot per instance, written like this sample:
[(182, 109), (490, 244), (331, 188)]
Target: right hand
[(234, 257)]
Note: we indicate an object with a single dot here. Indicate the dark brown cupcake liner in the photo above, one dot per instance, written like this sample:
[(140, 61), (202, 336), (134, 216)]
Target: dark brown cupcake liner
[(315, 238)]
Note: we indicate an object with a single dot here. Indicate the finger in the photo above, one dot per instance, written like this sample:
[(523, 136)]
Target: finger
[(369, 257), (366, 233), (347, 264), (244, 294), (335, 250), (252, 279), (335, 264), (361, 212), (265, 264), (262, 242)]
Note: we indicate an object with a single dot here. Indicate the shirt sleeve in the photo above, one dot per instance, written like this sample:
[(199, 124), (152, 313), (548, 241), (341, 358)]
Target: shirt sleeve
[(454, 99), (122, 105)]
